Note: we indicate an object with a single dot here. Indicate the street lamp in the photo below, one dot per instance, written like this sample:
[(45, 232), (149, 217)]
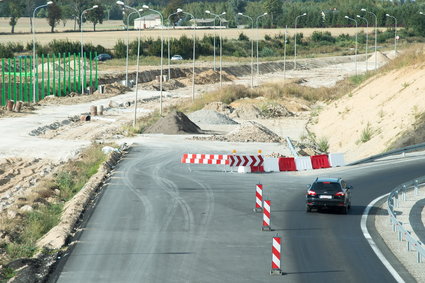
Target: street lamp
[(34, 65), (82, 49), (367, 36), (162, 53), (194, 45), (137, 61), (295, 40), (355, 52), (126, 57), (395, 32), (252, 49), (168, 45), (256, 21), (376, 37), (422, 13), (217, 16)]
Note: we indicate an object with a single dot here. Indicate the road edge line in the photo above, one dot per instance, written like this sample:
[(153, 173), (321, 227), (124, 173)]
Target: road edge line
[(372, 243)]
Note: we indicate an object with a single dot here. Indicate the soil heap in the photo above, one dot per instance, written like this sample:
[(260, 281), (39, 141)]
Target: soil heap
[(248, 131), (246, 112), (210, 117), (275, 110), (175, 123), (219, 107)]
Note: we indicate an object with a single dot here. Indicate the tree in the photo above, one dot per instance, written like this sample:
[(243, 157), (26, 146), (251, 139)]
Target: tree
[(54, 15), (78, 6), (172, 8), (15, 10), (273, 8), (96, 15), (237, 6)]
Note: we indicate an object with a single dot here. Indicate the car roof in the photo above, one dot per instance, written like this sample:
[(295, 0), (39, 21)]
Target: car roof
[(328, 179)]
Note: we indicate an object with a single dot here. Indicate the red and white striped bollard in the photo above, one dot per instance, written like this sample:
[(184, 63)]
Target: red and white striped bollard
[(266, 215), (276, 250), (258, 198)]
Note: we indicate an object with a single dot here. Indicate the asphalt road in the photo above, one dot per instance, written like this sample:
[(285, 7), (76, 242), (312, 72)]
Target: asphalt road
[(158, 222)]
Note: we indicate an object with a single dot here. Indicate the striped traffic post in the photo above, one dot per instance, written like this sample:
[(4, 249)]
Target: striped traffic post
[(266, 216), (276, 250), (258, 198)]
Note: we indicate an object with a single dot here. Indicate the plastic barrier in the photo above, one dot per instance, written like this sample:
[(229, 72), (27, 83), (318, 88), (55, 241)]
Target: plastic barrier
[(320, 161), (257, 169), (303, 163), (271, 164), (287, 164), (244, 169), (336, 159)]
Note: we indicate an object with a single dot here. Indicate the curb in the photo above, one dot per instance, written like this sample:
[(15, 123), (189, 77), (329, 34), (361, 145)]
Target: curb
[(39, 268)]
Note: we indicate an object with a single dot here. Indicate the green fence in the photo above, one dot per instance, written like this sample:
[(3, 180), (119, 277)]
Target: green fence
[(57, 74)]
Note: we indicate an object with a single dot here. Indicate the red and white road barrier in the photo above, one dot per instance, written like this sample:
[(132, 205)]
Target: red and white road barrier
[(266, 215), (246, 160), (205, 161), (206, 156), (276, 250), (258, 198)]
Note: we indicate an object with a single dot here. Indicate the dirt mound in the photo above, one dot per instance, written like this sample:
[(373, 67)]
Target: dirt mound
[(252, 132), (115, 88), (274, 110), (246, 112), (166, 86), (174, 123), (381, 58), (220, 107), (247, 132), (210, 117), (207, 77)]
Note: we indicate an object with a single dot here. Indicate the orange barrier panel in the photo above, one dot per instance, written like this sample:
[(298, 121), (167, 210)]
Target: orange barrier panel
[(320, 161), (287, 164)]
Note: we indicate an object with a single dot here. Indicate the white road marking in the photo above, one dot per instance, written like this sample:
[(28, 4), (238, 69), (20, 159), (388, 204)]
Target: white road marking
[(372, 243)]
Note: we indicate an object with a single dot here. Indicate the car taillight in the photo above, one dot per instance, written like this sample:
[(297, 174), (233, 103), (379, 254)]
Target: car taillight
[(311, 193), (339, 194)]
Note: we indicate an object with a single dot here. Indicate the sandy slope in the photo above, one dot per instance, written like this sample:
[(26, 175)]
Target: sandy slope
[(390, 104)]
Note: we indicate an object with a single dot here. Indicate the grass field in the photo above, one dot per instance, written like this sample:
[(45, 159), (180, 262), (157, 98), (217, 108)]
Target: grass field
[(109, 38)]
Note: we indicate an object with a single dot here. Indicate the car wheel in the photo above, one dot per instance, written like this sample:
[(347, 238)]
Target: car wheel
[(344, 210), (308, 209)]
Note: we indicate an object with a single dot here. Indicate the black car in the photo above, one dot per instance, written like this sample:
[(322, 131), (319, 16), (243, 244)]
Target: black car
[(329, 193), (103, 57)]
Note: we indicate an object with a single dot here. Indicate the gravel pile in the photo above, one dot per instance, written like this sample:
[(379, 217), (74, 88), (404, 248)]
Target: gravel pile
[(247, 132), (274, 110), (210, 117), (175, 123)]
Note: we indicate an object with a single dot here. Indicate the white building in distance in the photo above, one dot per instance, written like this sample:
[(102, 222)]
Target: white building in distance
[(151, 21)]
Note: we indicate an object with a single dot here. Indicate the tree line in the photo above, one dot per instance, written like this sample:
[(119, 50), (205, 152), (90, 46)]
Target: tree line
[(280, 13)]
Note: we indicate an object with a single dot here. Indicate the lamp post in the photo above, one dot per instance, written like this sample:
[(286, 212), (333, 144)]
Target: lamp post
[(355, 52), (126, 56), (367, 37), (256, 21), (295, 40), (194, 52), (376, 37), (162, 53), (395, 32), (34, 63), (422, 13), (252, 49), (138, 56), (221, 43), (168, 43), (82, 48)]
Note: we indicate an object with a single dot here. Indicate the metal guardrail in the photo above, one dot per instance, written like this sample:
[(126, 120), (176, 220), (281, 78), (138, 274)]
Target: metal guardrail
[(416, 147), (394, 202)]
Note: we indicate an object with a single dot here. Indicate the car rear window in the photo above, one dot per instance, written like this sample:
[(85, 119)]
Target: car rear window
[(321, 187)]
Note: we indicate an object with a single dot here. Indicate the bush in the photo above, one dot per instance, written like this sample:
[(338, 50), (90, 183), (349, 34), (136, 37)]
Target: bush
[(324, 37), (243, 37), (120, 49), (5, 52), (267, 52)]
